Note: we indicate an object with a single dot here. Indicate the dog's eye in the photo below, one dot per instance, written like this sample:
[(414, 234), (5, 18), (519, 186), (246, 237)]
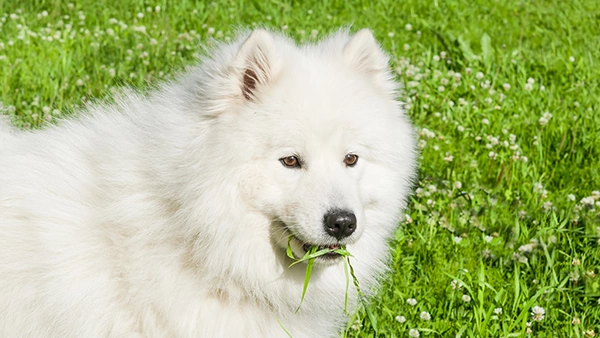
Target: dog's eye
[(290, 162), (350, 160)]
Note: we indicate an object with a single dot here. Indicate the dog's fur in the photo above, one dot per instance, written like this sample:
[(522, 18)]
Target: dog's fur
[(168, 215)]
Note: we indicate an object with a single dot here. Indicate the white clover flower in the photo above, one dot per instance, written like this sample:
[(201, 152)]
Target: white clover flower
[(526, 248), (79, 83), (457, 184), (589, 200), (528, 87), (466, 298), (457, 239), (425, 315), (141, 29), (436, 58), (413, 333), (427, 133), (498, 311), (571, 59), (479, 75), (408, 27), (485, 121), (545, 118), (537, 313), (411, 301), (488, 238), (441, 88), (454, 284), (492, 155), (530, 80), (406, 46), (400, 319), (506, 86), (460, 128)]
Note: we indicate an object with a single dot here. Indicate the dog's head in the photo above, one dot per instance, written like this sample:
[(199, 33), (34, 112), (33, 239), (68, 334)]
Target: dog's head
[(328, 152)]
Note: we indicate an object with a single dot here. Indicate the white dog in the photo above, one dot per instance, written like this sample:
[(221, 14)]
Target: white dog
[(169, 215)]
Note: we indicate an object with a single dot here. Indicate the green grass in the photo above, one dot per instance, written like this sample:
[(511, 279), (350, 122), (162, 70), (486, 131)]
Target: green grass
[(508, 236)]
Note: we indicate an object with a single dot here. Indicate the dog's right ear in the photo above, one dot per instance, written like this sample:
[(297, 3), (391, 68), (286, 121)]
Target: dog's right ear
[(257, 63)]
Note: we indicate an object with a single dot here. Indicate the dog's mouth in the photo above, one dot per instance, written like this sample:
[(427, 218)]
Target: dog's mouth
[(308, 247), (329, 255)]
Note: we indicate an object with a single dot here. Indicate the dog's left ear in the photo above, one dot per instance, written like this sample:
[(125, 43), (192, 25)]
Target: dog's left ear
[(364, 54), (257, 61)]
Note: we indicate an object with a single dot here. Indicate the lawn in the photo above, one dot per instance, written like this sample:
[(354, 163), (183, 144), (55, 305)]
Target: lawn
[(502, 237)]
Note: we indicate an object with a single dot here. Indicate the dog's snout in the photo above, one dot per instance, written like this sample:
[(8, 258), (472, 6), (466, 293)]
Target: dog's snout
[(340, 223)]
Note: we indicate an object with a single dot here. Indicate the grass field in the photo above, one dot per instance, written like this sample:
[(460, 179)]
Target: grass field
[(502, 238)]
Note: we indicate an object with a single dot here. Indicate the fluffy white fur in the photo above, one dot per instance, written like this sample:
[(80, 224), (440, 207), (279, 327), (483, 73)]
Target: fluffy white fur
[(168, 215)]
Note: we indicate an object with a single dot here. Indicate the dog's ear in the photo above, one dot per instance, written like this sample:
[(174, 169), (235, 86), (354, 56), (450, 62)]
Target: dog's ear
[(364, 54), (257, 62)]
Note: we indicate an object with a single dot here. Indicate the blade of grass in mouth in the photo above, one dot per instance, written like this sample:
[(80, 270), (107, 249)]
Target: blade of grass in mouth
[(310, 257)]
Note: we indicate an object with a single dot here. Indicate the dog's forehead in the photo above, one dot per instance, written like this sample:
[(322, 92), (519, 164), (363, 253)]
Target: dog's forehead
[(322, 90)]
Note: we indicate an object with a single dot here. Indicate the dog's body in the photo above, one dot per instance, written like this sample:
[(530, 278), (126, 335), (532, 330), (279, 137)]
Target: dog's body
[(169, 215)]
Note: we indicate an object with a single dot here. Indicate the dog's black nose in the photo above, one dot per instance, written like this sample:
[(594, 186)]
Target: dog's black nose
[(340, 223)]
